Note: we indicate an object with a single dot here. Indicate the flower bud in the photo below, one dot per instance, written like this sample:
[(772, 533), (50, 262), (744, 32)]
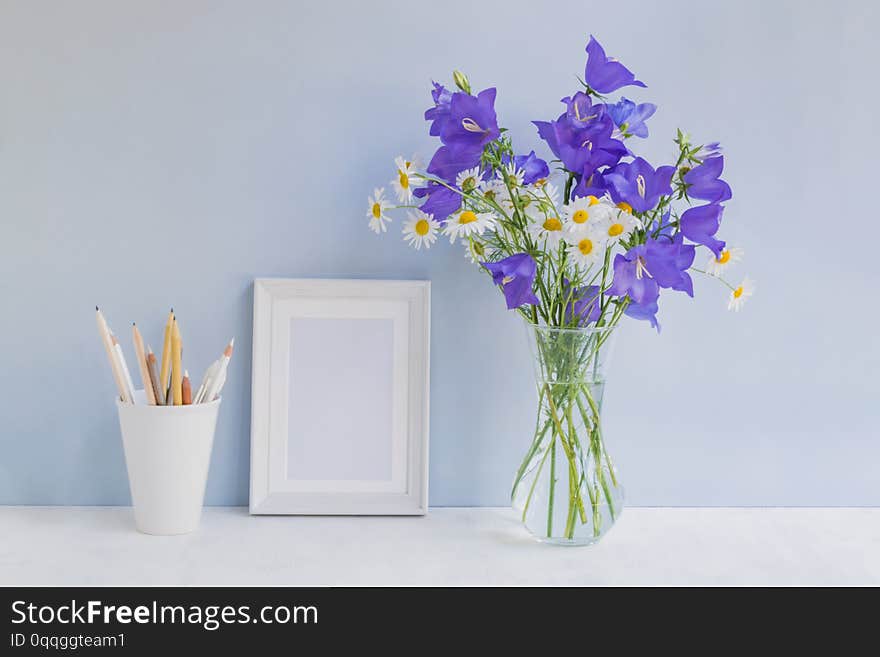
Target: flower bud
[(461, 81)]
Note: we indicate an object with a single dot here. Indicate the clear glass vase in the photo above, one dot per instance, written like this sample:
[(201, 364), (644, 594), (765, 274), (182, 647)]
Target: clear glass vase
[(567, 490)]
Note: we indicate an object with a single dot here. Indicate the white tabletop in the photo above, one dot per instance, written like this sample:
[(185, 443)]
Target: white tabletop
[(649, 546)]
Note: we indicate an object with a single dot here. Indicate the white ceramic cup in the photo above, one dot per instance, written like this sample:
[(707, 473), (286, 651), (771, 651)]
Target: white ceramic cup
[(167, 453)]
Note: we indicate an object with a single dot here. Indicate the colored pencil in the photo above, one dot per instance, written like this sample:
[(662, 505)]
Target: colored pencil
[(153, 368), (142, 364), (166, 352), (104, 332), (176, 372)]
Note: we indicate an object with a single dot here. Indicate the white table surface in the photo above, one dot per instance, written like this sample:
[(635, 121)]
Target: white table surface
[(649, 546)]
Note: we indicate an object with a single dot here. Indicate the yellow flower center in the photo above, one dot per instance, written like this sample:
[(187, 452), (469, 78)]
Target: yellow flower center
[(592, 200), (580, 216), (468, 184), (615, 229), (737, 293), (552, 223), (467, 217), (624, 206), (422, 227), (377, 210), (585, 246), (540, 182), (404, 179), (725, 257), (489, 194)]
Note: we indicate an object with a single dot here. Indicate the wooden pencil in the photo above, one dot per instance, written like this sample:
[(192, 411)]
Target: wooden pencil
[(126, 374), (153, 369), (142, 364), (186, 389), (166, 352), (104, 332), (176, 372)]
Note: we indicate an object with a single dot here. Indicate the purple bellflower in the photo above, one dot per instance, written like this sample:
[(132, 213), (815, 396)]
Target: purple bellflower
[(471, 123), (585, 306), (638, 184), (606, 74), (703, 181), (700, 224), (645, 268), (581, 138), (533, 167), (447, 162), (630, 118), (439, 114), (441, 202), (516, 275)]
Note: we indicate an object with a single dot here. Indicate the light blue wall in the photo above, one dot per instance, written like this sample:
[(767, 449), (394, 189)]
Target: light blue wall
[(159, 153)]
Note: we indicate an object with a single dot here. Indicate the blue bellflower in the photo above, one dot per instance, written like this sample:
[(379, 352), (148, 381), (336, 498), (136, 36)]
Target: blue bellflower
[(439, 114), (638, 184), (533, 167), (700, 224), (581, 137), (606, 74), (703, 182), (585, 306), (471, 123), (630, 118), (516, 275)]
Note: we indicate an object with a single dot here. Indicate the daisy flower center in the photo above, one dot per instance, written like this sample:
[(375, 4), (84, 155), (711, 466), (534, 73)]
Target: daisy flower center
[(468, 184), (625, 207), (615, 229), (585, 246), (580, 216), (737, 293), (592, 200), (377, 210), (724, 258), (489, 194), (422, 227), (467, 217), (552, 223), (403, 178)]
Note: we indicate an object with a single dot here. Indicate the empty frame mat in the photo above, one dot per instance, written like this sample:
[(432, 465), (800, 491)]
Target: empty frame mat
[(340, 397)]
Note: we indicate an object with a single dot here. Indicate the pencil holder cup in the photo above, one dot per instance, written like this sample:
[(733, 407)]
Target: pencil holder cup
[(167, 453)]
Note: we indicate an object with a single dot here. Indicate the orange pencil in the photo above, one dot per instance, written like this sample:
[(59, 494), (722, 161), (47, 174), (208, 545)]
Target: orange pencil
[(186, 388)]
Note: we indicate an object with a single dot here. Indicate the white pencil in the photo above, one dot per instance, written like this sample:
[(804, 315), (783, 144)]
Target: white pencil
[(104, 332), (215, 385), (126, 374), (203, 386)]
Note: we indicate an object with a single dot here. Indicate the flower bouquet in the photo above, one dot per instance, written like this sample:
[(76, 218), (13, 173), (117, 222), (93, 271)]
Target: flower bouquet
[(573, 251)]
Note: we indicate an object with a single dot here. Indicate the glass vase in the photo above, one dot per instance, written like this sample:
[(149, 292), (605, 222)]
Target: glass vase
[(567, 490)]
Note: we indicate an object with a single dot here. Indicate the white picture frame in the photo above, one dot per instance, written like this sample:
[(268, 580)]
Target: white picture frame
[(340, 397)]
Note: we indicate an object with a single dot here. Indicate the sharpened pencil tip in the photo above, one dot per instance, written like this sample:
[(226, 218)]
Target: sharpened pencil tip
[(96, 308)]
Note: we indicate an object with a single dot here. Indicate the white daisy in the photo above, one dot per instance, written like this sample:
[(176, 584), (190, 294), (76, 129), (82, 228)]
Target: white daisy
[(584, 213), (475, 250), (468, 180), (549, 229), (716, 266), (548, 193), (467, 223), (378, 204), (586, 247), (739, 294), (618, 224), (405, 181), (511, 175), (528, 201), (493, 190), (420, 230)]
